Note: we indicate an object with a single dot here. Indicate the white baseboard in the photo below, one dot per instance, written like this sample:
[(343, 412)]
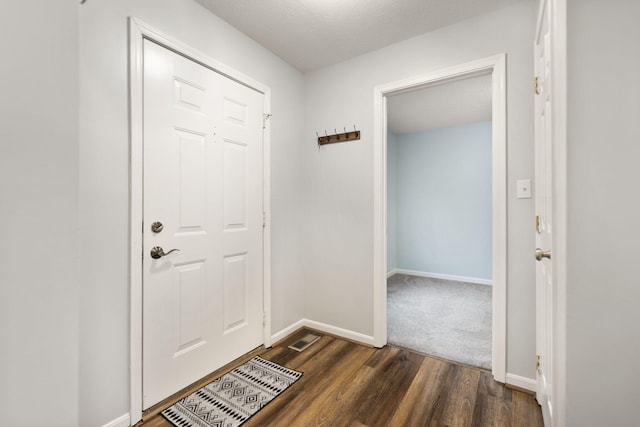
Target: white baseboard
[(287, 331), (392, 272), (343, 333), (444, 276), (123, 421), (522, 382), (323, 327)]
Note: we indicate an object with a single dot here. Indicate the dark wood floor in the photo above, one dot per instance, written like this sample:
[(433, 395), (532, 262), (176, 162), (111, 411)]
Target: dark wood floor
[(346, 384)]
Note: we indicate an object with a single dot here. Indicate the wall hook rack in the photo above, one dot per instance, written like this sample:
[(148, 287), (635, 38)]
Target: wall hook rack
[(338, 137)]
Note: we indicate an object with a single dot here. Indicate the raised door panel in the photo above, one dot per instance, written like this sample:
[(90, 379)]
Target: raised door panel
[(235, 185), (235, 291), (188, 310)]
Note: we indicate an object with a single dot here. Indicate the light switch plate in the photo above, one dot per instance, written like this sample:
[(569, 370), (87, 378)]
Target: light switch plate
[(524, 189)]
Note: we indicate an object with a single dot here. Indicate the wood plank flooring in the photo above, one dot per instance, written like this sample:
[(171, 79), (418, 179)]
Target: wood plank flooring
[(346, 384)]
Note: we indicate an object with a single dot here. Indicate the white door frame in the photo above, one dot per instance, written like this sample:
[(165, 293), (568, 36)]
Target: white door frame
[(496, 65), (138, 31)]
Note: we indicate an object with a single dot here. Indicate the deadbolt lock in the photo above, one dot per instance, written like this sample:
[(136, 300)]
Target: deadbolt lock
[(157, 227)]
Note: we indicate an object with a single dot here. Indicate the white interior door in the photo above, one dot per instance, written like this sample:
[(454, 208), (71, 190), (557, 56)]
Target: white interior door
[(544, 212), (202, 304)]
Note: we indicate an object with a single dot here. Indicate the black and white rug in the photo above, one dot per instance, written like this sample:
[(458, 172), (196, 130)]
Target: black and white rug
[(234, 397)]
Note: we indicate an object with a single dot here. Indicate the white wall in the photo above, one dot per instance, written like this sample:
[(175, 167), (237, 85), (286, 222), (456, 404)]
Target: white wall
[(340, 176), (392, 150), (38, 207), (444, 201), (104, 165), (603, 320)]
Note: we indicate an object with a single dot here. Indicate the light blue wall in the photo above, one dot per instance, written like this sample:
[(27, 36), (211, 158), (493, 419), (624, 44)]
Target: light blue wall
[(443, 201), (392, 141)]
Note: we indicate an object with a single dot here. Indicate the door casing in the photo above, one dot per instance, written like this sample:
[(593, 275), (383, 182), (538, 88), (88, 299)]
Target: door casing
[(496, 65), (138, 31)]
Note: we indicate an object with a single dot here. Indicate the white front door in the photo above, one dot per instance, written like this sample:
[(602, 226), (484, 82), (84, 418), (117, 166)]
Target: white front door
[(202, 304), (544, 215)]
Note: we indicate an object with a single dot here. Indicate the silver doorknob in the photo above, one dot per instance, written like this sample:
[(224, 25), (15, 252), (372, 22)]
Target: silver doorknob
[(542, 254), (157, 252), (157, 227)]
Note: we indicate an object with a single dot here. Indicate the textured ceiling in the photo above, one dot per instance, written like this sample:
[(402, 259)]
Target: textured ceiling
[(311, 34), (460, 102)]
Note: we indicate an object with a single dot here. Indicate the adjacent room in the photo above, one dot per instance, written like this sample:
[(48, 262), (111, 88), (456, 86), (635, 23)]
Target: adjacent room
[(439, 220)]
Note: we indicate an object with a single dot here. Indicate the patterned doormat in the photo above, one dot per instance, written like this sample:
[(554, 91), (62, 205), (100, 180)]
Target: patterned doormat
[(234, 397)]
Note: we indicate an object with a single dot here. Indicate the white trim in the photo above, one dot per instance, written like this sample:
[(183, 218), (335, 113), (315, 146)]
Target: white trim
[(323, 327), (135, 220), (445, 276), (521, 382), (497, 66), (334, 330), (122, 421), (380, 215), (138, 31), (499, 223), (287, 331), (266, 231), (392, 272)]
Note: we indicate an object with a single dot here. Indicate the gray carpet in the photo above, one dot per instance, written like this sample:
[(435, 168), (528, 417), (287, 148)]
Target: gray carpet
[(442, 318)]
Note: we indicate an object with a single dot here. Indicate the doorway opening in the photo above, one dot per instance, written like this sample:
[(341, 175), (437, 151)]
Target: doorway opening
[(439, 220), (492, 69)]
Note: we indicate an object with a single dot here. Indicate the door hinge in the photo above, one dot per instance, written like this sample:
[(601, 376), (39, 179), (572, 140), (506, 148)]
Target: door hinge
[(536, 85), (538, 224), (264, 219), (265, 116), (538, 364)]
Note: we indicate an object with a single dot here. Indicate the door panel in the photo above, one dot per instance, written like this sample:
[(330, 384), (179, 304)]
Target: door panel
[(192, 178), (202, 304), (235, 291), (189, 320), (235, 189), (544, 212)]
